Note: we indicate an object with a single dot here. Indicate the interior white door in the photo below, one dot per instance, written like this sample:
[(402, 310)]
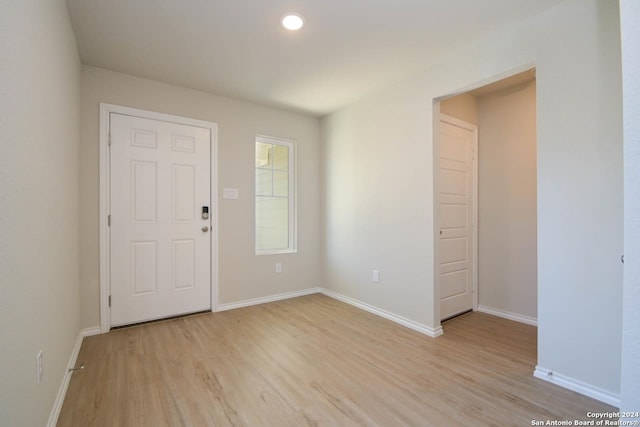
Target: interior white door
[(456, 210), (160, 241)]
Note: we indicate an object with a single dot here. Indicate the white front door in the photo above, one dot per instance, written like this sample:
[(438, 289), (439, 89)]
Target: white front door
[(160, 241), (456, 211)]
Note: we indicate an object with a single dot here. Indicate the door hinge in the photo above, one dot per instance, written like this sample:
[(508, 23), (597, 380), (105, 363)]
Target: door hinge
[(109, 300), (109, 142), (109, 220)]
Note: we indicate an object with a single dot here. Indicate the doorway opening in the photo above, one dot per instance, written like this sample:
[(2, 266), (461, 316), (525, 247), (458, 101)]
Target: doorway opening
[(486, 201)]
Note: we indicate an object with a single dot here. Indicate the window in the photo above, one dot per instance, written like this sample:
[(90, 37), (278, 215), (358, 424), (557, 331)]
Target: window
[(275, 195)]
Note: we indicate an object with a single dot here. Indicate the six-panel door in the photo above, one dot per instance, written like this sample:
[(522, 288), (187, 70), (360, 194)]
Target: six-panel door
[(160, 242)]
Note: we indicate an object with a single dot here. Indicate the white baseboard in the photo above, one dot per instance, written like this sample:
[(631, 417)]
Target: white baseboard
[(424, 329), (577, 386), (262, 300), (87, 332), (419, 327), (508, 315), (62, 391)]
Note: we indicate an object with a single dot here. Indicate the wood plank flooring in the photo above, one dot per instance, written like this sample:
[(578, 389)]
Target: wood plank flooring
[(314, 361)]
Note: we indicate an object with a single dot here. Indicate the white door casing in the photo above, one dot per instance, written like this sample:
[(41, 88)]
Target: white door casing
[(159, 252), (457, 206)]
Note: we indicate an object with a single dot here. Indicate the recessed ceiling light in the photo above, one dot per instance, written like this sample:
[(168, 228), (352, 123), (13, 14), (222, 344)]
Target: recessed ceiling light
[(292, 21)]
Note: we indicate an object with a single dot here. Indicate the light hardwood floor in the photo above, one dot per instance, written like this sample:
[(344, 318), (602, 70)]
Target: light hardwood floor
[(314, 361)]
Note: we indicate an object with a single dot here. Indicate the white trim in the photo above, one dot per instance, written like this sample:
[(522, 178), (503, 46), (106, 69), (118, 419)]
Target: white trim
[(105, 203), (88, 332), (508, 315), (215, 223), (105, 208), (62, 391), (437, 318), (262, 300), (419, 327), (577, 386)]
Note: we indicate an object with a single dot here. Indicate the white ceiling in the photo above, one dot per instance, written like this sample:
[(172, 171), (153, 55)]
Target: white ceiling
[(237, 48)]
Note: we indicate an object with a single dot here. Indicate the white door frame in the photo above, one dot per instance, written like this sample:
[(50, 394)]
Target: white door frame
[(105, 202), (474, 213)]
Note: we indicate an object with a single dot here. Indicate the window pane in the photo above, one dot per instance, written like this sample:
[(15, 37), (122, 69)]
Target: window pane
[(264, 182), (280, 157), (272, 223), (281, 183), (275, 221), (263, 154)]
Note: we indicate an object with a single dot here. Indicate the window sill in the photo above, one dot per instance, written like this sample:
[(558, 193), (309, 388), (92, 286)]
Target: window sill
[(277, 252)]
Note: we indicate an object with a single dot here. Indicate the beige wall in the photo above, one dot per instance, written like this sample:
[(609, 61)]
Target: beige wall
[(242, 275), (507, 225), (463, 107), (39, 142), (378, 201)]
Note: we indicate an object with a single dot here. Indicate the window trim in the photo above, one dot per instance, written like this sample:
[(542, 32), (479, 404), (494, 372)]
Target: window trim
[(292, 205)]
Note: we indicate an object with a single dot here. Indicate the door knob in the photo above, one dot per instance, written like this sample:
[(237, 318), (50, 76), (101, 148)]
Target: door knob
[(205, 229)]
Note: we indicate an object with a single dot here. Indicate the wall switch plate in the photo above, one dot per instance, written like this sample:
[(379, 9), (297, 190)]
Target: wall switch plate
[(375, 276), (230, 193), (278, 267), (39, 367)]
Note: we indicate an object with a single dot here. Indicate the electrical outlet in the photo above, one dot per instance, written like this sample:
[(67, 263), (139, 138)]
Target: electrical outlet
[(278, 267), (375, 276), (39, 367)]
